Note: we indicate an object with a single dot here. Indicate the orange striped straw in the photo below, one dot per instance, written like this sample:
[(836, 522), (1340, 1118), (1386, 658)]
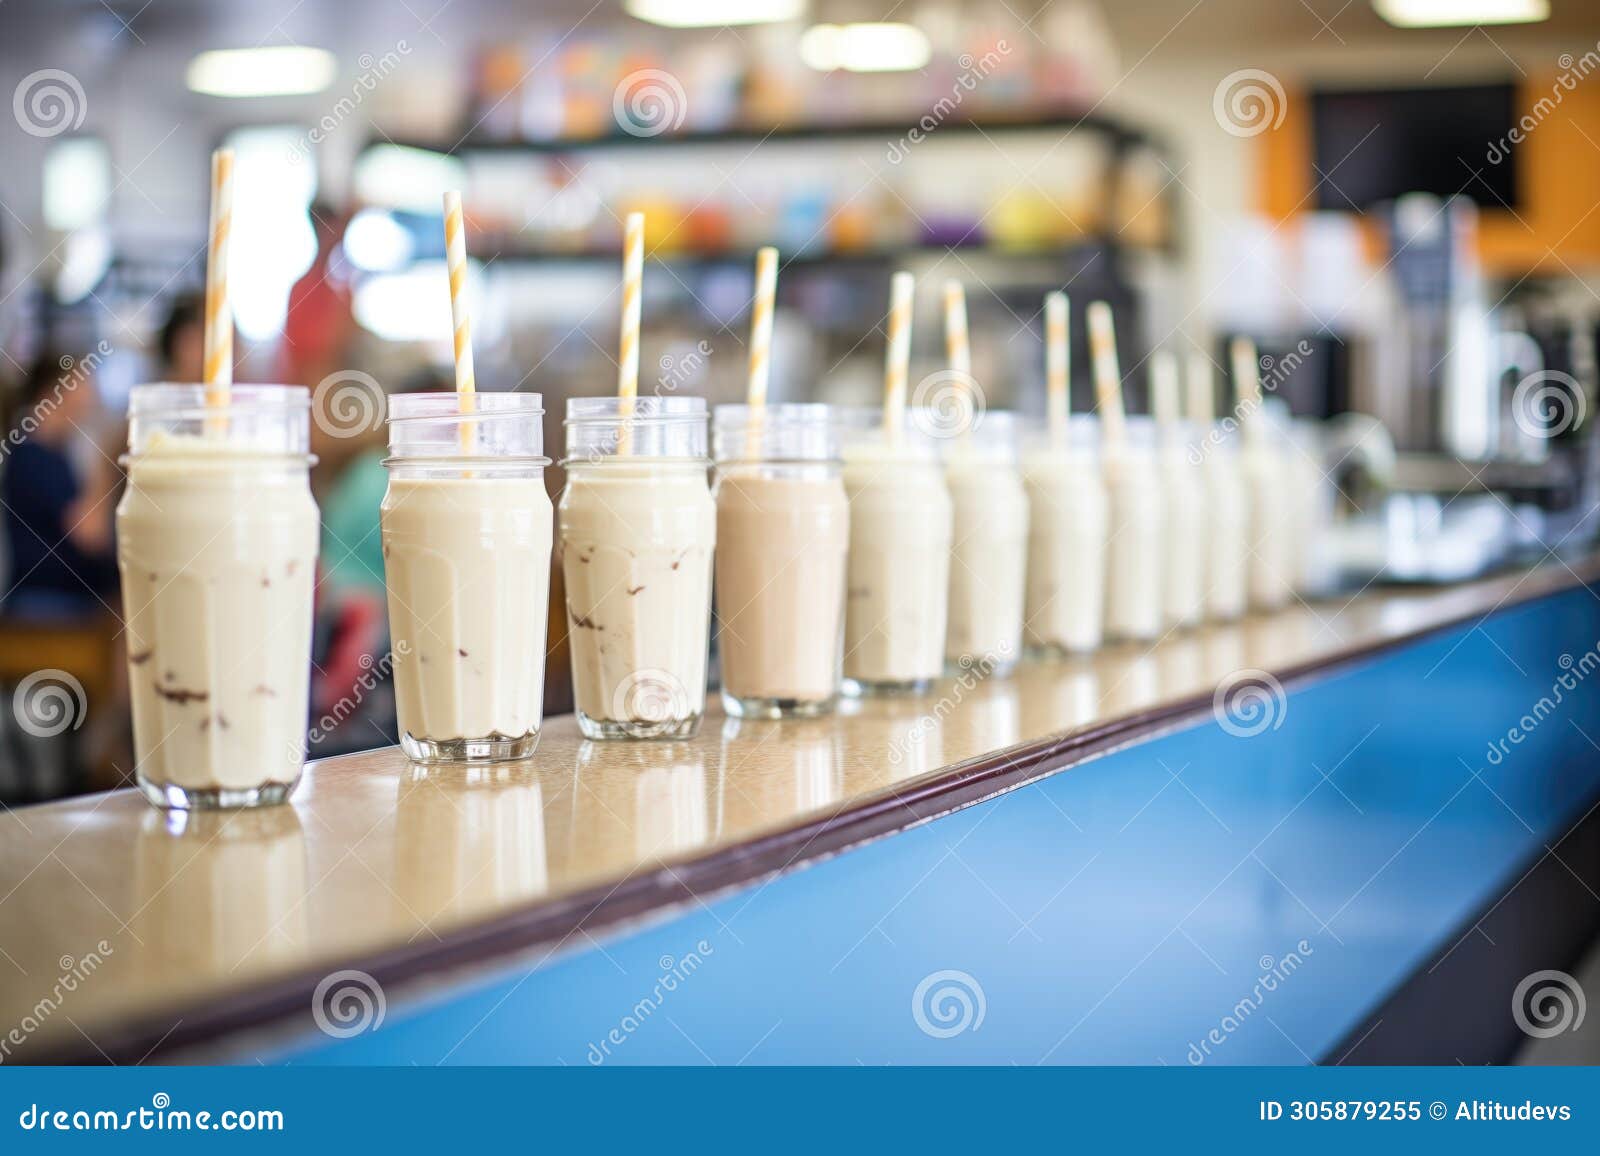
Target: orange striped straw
[(1056, 364), (1201, 391), (632, 290), (218, 369), (455, 250), (1107, 377), (958, 348), (761, 325), (902, 287), (1164, 387), (1246, 383)]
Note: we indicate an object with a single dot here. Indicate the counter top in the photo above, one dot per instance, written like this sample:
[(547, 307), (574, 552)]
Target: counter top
[(126, 931)]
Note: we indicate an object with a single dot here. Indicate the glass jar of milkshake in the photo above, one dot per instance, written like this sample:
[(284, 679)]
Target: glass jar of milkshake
[(1184, 589), (783, 531), (1068, 514), (638, 527), (899, 572), (1270, 509), (466, 555), (1135, 603), (989, 551), (1227, 547), (217, 544)]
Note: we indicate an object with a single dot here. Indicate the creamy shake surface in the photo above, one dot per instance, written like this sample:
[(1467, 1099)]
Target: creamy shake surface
[(989, 551), (900, 536), (1136, 549), (217, 540), (1068, 515), (782, 538), (638, 528), (467, 538)]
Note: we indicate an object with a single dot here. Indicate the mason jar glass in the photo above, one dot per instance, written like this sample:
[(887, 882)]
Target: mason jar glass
[(217, 539), (989, 544), (467, 537), (783, 534), (1068, 512), (1135, 546), (638, 530)]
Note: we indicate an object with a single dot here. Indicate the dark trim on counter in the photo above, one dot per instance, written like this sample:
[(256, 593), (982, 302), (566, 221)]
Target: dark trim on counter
[(284, 1005)]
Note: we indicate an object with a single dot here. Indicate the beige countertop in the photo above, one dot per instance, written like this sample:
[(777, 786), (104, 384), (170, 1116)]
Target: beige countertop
[(124, 928)]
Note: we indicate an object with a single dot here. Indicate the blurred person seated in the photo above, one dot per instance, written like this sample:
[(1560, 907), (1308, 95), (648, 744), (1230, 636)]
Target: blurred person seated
[(182, 344), (57, 489)]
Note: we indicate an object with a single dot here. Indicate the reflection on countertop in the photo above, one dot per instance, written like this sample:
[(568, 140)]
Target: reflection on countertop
[(376, 855)]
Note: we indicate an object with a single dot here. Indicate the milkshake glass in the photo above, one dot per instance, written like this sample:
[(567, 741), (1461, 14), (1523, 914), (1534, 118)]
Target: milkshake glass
[(638, 527), (989, 554), (1227, 550), (1270, 510), (1068, 515), (1184, 588), (1135, 549), (899, 571), (217, 544), (783, 532), (466, 553)]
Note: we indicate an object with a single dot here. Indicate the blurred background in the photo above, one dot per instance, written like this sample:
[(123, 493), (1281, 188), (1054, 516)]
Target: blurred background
[(1395, 198)]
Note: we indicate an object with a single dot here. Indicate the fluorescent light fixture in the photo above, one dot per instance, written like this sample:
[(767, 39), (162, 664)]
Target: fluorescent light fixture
[(283, 70), (864, 47), (714, 13), (1459, 13)]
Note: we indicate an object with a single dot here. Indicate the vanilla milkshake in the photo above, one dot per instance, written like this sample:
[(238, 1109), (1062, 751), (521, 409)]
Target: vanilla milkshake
[(638, 527), (899, 570), (217, 544), (1269, 510), (1227, 549), (1183, 495), (1136, 548), (989, 552), (783, 532), (1068, 516), (466, 553)]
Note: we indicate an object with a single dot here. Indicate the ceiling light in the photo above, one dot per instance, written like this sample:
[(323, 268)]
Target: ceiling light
[(1459, 13), (714, 13), (864, 47), (285, 70)]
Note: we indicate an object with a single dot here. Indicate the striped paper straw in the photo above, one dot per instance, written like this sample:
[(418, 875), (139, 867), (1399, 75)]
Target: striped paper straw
[(1201, 391), (957, 346), (902, 287), (1056, 364), (632, 290), (1164, 387), (1107, 377), (761, 325), (455, 249), (218, 368)]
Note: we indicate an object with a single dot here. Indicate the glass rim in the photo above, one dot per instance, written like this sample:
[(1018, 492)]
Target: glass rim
[(741, 412), (446, 405), (647, 409), (185, 398)]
